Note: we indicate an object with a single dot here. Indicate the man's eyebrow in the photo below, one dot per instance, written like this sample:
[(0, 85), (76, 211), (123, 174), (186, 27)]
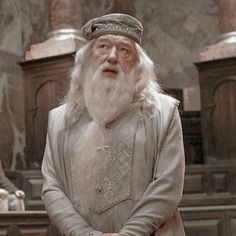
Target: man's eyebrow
[(126, 43), (100, 40)]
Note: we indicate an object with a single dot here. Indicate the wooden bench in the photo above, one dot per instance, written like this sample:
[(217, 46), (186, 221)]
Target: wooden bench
[(27, 223)]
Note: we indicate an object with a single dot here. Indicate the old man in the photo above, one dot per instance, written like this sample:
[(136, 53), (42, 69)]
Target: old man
[(114, 157)]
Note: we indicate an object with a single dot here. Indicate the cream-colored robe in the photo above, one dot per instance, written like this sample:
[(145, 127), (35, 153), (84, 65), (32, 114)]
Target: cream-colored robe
[(142, 187)]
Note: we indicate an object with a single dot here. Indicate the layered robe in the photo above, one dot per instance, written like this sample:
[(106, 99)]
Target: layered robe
[(137, 184)]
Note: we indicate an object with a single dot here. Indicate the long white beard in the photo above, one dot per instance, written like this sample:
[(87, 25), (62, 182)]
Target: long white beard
[(107, 98)]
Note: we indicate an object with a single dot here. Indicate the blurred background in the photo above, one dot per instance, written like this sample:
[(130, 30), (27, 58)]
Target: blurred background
[(193, 44)]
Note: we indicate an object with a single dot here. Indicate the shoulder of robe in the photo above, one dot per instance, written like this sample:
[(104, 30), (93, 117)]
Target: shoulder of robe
[(165, 105), (57, 116)]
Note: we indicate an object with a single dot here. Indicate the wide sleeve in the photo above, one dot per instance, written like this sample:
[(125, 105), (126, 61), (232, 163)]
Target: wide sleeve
[(161, 198), (5, 182), (59, 208)]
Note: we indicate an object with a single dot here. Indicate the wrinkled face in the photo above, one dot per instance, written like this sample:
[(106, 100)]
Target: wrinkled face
[(114, 52)]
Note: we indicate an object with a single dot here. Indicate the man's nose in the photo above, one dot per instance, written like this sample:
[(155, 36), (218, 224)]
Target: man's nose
[(113, 57)]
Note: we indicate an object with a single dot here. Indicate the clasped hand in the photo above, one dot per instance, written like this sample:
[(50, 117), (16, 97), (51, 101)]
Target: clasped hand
[(4, 193), (20, 194)]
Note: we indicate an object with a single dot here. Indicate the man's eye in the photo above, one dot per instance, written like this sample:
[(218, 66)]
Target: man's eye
[(104, 46), (124, 51)]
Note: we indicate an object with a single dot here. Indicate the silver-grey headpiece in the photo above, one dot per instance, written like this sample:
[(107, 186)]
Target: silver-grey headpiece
[(116, 23)]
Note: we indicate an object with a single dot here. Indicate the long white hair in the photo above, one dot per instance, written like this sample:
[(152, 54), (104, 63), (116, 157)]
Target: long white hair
[(146, 86)]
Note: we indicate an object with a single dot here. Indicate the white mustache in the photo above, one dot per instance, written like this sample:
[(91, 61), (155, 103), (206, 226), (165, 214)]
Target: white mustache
[(107, 66)]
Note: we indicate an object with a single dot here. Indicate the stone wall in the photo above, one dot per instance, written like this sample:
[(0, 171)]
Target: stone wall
[(175, 33)]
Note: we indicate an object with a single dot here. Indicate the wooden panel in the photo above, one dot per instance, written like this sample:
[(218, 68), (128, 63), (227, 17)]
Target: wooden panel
[(192, 135), (209, 185), (231, 216), (35, 187), (218, 100), (220, 183), (193, 183), (223, 120), (207, 220), (32, 185), (232, 226), (33, 230), (202, 227), (47, 97), (46, 81)]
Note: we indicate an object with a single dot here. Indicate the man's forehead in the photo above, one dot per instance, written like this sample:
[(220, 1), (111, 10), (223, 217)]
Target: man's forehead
[(116, 38)]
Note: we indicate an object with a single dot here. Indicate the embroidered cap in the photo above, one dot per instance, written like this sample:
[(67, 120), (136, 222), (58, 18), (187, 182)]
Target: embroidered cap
[(116, 23)]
